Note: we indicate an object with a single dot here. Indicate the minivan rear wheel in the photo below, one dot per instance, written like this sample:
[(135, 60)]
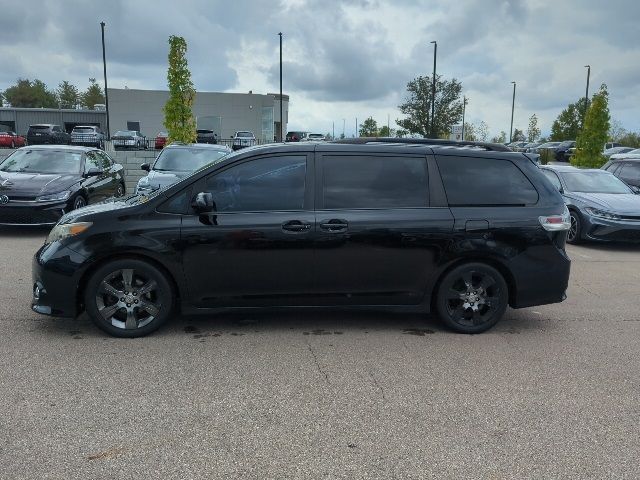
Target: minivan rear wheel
[(472, 298), (129, 298)]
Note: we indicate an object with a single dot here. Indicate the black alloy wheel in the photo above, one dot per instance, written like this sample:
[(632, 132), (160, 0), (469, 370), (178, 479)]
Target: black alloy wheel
[(472, 298), (575, 230), (128, 298), (120, 190), (79, 202)]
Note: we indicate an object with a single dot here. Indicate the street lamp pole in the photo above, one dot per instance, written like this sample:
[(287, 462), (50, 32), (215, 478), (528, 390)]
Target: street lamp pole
[(106, 95), (586, 94), (281, 117), (513, 103), (357, 134), (464, 107), (343, 123), (433, 89), (333, 130)]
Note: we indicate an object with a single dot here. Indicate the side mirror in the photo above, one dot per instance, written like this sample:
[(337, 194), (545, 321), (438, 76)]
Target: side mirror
[(94, 172), (203, 203), (146, 167)]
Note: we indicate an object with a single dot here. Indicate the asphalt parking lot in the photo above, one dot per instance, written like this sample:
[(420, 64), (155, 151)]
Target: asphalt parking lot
[(551, 392)]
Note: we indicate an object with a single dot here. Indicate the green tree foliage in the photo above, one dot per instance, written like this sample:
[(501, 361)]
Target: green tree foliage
[(470, 134), (630, 139), (483, 131), (518, 135), (68, 95), (385, 131), (502, 138), (1, 99), (178, 117), (28, 94), (533, 132), (368, 128), (417, 106), (569, 122), (92, 95), (594, 135)]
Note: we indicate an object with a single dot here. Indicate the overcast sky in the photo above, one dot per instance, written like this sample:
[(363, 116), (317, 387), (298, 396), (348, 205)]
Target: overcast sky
[(343, 59)]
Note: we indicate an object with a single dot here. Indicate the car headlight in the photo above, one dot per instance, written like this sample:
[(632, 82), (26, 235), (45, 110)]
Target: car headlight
[(602, 214), (54, 196), (65, 230)]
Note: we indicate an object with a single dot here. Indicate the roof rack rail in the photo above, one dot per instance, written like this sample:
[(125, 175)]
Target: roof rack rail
[(425, 141)]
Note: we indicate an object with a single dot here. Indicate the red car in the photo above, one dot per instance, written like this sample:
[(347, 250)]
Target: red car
[(11, 140), (161, 140)]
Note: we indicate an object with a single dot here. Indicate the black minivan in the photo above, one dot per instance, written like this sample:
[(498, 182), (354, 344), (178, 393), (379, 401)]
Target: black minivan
[(461, 229)]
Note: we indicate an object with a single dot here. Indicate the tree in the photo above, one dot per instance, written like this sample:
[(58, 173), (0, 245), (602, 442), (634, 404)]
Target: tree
[(368, 128), (630, 139), (483, 131), (595, 132), (448, 106), (178, 117), (385, 131), (27, 94), (470, 132), (502, 138), (569, 122), (68, 95), (518, 135), (92, 95), (616, 130), (533, 132)]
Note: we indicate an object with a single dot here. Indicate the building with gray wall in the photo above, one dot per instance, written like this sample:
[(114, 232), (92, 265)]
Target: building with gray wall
[(18, 119), (225, 113)]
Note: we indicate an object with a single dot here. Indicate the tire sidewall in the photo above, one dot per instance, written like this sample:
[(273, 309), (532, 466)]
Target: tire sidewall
[(450, 277), (164, 288), (75, 200), (578, 236)]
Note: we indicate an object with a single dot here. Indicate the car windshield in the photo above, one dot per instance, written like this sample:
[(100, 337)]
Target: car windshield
[(593, 182), (205, 131), (186, 159), (43, 161), (244, 134)]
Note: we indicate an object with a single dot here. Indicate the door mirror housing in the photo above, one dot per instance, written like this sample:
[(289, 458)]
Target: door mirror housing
[(94, 172), (146, 167), (203, 203)]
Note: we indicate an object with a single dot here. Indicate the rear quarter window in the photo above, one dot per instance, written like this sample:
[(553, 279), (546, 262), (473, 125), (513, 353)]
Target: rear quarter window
[(472, 181)]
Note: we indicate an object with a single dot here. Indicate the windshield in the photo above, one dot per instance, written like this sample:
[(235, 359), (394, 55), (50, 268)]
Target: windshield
[(593, 182), (39, 127), (186, 159), (43, 161)]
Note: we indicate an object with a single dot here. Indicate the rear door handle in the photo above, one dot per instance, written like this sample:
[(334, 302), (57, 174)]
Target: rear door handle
[(296, 226), (335, 225)]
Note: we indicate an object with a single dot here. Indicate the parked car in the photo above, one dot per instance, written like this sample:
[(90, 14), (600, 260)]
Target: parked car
[(175, 162), (47, 133), (630, 154), (601, 206), (412, 225), (88, 135), (627, 170), (296, 136), (516, 146), (315, 137), (529, 146), (562, 150), (129, 139), (11, 139), (615, 150), (161, 140), (543, 146), (243, 139), (38, 184), (609, 145), (206, 136)]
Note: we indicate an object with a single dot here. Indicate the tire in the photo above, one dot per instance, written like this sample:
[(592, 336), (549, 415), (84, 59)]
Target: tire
[(472, 298), (128, 298), (79, 202), (574, 235), (13, 144), (120, 190)]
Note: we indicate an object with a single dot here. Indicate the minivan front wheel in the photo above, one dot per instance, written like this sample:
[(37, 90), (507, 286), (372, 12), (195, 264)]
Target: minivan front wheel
[(472, 298), (129, 298)]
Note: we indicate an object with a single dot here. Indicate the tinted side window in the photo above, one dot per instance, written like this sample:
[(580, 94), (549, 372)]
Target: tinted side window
[(630, 173), (265, 184), (485, 181), (613, 167), (107, 161), (92, 160), (374, 182), (553, 177)]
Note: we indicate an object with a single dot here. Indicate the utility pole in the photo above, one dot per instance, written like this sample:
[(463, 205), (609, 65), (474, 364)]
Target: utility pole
[(464, 106), (357, 134), (433, 90), (106, 95), (513, 103), (333, 130), (281, 117)]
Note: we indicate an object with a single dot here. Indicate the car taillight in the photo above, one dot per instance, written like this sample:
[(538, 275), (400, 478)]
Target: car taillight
[(556, 223)]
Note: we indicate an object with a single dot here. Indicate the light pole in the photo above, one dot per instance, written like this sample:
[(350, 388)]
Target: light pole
[(357, 134), (343, 123), (106, 95), (513, 103), (433, 89), (586, 94), (464, 107), (333, 130), (281, 118)]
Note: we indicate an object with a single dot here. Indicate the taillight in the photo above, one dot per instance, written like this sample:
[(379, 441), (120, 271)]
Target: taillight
[(556, 223)]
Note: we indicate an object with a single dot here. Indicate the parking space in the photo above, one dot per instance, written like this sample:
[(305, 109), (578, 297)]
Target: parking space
[(551, 392)]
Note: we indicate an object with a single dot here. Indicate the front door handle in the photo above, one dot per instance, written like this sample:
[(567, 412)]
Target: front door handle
[(335, 225), (296, 226)]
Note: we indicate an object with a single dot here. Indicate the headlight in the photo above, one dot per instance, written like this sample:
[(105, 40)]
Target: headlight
[(602, 214), (65, 230), (54, 196)]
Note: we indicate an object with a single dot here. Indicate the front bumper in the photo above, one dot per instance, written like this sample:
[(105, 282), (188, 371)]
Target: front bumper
[(603, 230), (32, 213), (56, 272)]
